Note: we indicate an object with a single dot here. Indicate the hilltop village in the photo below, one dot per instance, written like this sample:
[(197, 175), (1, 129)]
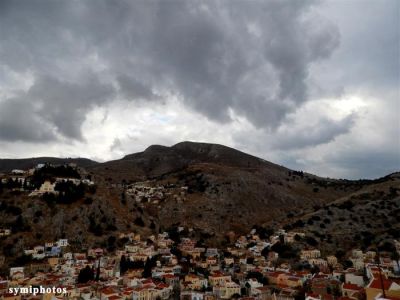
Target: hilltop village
[(265, 264)]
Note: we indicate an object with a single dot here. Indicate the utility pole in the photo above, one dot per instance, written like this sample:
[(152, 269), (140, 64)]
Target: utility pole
[(380, 273)]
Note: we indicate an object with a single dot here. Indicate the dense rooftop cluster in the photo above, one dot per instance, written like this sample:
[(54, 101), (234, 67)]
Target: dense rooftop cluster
[(167, 266)]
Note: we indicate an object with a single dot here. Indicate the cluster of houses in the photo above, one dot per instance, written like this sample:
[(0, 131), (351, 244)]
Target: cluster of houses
[(22, 175), (49, 249), (5, 232), (183, 269), (48, 186), (148, 193)]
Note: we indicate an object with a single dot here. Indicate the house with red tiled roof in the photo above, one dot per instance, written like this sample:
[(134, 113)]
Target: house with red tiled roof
[(272, 277), (294, 281), (115, 298), (325, 286), (107, 293), (353, 291), (312, 296), (285, 294), (377, 285), (261, 293), (217, 278)]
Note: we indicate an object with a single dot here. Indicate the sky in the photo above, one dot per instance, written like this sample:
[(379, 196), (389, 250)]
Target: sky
[(311, 85)]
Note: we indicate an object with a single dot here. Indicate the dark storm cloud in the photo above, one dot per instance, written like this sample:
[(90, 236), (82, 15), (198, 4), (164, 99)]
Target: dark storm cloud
[(19, 122), (65, 104), (51, 106), (249, 58)]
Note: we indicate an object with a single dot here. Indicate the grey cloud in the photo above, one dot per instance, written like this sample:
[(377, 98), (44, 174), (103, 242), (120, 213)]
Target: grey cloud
[(210, 55), (131, 88), (51, 107), (65, 104), (19, 122), (292, 137), (116, 145), (322, 132), (205, 53), (260, 60), (368, 58), (365, 162)]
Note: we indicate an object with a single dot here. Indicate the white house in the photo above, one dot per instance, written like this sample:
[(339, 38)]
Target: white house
[(62, 243)]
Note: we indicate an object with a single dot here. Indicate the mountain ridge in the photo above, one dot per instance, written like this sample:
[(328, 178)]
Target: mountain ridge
[(179, 149), (8, 164)]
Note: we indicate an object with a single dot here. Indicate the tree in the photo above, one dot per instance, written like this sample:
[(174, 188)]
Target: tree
[(123, 265), (285, 251), (152, 225), (69, 192), (314, 270), (340, 254), (174, 235), (265, 252), (347, 264), (50, 199), (342, 278), (258, 276), (98, 271), (86, 274), (150, 263), (328, 290), (311, 241), (387, 247), (20, 224), (111, 242), (23, 260), (177, 252), (139, 222), (123, 198), (25, 185), (88, 200), (395, 256)]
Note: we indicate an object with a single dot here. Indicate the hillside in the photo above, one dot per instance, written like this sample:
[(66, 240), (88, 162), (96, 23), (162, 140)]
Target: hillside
[(213, 189), (361, 219)]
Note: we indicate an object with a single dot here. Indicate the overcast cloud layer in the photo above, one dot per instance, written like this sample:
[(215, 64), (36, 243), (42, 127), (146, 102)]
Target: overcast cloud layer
[(308, 84)]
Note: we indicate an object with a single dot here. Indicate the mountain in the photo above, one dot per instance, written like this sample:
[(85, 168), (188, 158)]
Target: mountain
[(217, 191), (6, 165), (229, 191), (159, 160)]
